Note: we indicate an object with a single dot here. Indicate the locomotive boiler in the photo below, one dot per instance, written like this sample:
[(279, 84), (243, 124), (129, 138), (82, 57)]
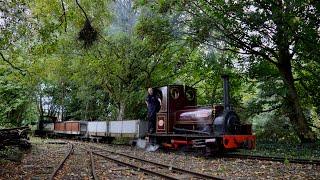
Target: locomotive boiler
[(180, 122)]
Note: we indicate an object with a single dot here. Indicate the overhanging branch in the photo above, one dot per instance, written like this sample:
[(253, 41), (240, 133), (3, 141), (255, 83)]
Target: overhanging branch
[(23, 72), (64, 15), (266, 110), (85, 14)]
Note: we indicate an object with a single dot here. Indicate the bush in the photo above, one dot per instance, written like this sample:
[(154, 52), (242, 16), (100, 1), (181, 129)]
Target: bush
[(272, 127)]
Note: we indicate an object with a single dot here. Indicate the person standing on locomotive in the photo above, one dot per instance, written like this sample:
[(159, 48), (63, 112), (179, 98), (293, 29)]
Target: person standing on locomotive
[(153, 104)]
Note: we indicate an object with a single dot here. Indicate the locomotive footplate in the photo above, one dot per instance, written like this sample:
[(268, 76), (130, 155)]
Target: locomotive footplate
[(181, 135), (177, 140)]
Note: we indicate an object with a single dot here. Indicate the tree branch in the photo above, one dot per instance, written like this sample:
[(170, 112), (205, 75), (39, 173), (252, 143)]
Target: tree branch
[(22, 72), (85, 14), (267, 110), (114, 49), (202, 79), (64, 15), (231, 37)]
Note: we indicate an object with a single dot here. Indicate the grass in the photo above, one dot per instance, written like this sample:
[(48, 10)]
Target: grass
[(11, 153), (121, 140), (37, 140), (286, 150)]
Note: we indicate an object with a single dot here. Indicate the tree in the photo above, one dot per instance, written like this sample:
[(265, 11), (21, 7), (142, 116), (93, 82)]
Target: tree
[(16, 101), (280, 33), (119, 62)]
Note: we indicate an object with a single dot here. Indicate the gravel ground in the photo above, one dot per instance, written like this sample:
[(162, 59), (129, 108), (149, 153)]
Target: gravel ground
[(225, 167), (39, 163), (77, 166), (108, 170)]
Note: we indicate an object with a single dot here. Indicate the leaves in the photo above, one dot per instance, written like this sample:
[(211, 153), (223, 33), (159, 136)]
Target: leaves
[(264, 38), (157, 43)]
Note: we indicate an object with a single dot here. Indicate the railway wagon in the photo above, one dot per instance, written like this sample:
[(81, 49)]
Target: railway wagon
[(97, 129), (59, 127), (71, 128), (128, 128), (45, 126), (101, 129), (45, 129), (108, 130), (48, 127)]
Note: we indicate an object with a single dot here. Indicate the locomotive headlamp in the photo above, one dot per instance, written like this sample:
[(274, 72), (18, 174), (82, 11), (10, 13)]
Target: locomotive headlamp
[(160, 122)]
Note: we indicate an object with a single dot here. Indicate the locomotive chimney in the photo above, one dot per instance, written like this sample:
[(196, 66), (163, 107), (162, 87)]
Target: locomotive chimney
[(226, 96)]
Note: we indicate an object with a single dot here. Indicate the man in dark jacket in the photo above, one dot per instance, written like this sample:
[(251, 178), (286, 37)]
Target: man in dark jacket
[(153, 104)]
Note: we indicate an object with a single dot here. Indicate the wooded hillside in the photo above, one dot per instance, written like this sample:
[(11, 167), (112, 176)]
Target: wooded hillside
[(87, 59)]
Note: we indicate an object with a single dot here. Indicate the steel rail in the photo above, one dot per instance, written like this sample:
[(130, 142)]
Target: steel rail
[(276, 159), (128, 164), (199, 175), (61, 163), (136, 167), (93, 169)]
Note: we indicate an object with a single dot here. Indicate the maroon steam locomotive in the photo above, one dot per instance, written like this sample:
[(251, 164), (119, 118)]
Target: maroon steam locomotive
[(180, 122)]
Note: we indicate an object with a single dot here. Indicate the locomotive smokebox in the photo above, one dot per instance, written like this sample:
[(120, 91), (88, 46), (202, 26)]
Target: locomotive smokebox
[(226, 96), (228, 122)]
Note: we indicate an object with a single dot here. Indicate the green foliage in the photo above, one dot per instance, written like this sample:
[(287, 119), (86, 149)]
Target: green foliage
[(272, 41), (94, 83), (122, 141), (11, 154), (155, 43), (274, 127), (136, 107), (16, 108)]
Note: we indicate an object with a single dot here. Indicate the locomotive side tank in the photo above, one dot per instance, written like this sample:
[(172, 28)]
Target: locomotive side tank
[(181, 122)]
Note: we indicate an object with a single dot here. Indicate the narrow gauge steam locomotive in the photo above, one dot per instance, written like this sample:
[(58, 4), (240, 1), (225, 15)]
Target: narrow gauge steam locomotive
[(180, 122)]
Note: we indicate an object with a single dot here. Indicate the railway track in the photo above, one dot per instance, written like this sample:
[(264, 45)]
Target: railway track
[(122, 162), (276, 159), (59, 166), (112, 168), (93, 167), (41, 162), (149, 167)]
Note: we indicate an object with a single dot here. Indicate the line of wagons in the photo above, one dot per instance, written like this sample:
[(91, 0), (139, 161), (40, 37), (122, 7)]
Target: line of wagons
[(95, 130)]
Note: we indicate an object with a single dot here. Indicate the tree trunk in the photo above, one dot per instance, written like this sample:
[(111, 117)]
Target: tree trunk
[(86, 111), (121, 110), (40, 106), (295, 111), (294, 108)]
